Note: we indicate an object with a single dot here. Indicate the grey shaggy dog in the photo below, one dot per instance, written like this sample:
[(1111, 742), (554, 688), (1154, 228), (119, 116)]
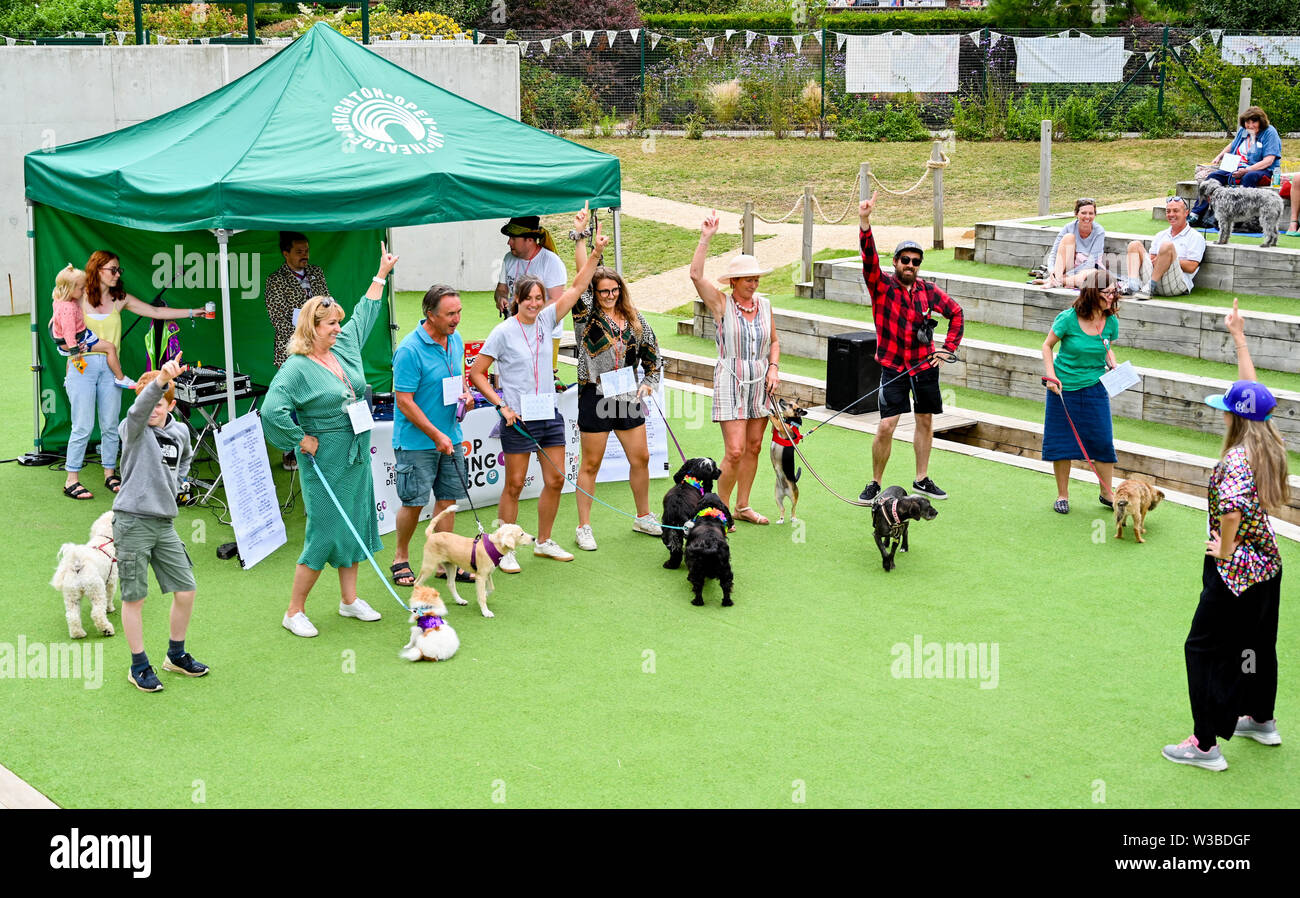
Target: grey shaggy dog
[(1243, 204)]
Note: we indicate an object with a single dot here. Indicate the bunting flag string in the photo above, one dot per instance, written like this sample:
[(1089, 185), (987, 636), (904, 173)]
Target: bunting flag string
[(749, 38), (728, 34), (654, 39), (587, 35), (798, 42), (546, 46), (611, 36), (708, 43)]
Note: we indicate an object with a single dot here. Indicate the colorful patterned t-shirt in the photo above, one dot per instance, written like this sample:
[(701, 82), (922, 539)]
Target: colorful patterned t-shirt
[(1232, 488)]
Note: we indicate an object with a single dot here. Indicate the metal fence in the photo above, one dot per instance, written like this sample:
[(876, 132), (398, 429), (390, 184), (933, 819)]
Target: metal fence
[(1165, 80)]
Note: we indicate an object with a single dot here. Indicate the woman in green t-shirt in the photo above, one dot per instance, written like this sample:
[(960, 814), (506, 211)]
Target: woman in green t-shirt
[(1085, 332)]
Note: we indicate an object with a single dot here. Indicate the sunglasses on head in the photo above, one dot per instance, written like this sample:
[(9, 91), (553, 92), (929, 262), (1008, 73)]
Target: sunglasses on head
[(326, 302), (909, 260), (1177, 199)]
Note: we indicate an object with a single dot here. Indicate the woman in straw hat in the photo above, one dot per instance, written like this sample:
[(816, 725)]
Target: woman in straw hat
[(1231, 650), (747, 370)]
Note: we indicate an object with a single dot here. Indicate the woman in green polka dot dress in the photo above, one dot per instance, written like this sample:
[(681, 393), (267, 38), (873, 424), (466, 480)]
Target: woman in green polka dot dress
[(318, 384)]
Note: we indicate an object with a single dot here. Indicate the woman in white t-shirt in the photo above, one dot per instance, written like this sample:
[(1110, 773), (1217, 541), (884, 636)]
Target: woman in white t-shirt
[(520, 349), (1076, 255)]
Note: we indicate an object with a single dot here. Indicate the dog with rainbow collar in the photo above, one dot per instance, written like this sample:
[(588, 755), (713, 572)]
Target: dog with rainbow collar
[(708, 555), (693, 480)]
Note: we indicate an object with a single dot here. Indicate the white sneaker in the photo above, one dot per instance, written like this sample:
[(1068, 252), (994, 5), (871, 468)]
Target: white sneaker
[(550, 549), (647, 523), (508, 563), (586, 541), (124, 382), (298, 625), (359, 609)]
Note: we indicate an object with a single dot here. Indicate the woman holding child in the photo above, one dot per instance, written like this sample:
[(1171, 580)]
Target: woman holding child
[(1085, 332), (96, 388)]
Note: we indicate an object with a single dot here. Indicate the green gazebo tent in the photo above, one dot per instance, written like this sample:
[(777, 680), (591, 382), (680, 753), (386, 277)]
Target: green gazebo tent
[(327, 138)]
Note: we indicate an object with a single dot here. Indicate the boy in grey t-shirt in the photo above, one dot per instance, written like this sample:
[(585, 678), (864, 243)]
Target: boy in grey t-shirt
[(156, 457)]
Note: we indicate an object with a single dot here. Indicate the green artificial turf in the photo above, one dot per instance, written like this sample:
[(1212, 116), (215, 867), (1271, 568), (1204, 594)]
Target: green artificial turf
[(598, 684)]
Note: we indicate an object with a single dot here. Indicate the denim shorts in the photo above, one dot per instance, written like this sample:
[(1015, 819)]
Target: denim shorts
[(142, 541), (547, 434), (421, 471)]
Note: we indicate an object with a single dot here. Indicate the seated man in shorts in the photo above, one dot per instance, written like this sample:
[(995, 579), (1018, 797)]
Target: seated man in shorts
[(1170, 267)]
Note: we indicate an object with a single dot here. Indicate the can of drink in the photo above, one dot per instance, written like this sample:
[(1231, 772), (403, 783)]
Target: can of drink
[(210, 310)]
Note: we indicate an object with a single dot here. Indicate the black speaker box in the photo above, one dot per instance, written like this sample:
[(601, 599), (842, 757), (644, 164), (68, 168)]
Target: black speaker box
[(852, 372)]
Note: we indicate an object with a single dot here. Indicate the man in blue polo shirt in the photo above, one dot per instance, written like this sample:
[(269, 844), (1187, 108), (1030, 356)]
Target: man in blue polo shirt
[(428, 380)]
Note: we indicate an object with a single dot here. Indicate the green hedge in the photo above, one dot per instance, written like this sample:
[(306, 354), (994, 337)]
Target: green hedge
[(846, 22)]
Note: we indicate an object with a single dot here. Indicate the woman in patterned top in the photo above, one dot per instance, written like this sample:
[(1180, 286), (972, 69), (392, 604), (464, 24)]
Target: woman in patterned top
[(747, 372), (613, 338), (1236, 620)]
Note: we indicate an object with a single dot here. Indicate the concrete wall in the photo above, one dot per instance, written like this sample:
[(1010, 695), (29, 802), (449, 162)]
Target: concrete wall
[(55, 96)]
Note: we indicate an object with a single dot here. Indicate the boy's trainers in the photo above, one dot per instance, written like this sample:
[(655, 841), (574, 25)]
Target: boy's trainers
[(125, 383), (646, 523), (359, 609), (509, 563), (146, 680), (870, 492), (1187, 752), (927, 487), (185, 664), (549, 548), (586, 541), (298, 625), (1265, 732)]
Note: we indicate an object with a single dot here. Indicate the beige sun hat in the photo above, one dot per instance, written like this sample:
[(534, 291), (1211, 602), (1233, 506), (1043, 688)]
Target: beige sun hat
[(742, 266)]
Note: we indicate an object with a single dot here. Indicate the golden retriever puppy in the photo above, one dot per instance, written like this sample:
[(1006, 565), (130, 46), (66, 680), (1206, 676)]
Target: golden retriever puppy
[(1134, 498), (479, 556)]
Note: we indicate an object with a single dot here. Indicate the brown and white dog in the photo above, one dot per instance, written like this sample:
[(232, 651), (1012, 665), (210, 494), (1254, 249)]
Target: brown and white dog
[(786, 419), (1134, 498), (432, 638), (478, 556)]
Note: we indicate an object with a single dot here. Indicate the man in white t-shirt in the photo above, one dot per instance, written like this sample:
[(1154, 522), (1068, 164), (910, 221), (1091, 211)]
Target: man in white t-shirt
[(531, 252), (1169, 268)]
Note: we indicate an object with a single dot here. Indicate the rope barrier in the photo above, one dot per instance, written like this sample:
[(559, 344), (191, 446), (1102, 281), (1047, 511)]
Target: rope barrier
[(797, 204), (930, 166)]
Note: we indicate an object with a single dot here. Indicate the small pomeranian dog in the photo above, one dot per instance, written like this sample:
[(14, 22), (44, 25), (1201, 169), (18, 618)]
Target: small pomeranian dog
[(89, 571), (432, 638)]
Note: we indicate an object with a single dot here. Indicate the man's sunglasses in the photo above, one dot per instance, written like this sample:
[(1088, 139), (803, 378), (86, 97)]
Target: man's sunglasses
[(909, 260)]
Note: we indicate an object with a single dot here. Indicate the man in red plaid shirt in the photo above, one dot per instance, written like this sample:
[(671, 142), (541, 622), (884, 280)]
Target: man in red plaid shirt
[(901, 304)]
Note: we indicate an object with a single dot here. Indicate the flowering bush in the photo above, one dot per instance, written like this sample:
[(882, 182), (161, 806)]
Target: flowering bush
[(188, 21), (408, 26)]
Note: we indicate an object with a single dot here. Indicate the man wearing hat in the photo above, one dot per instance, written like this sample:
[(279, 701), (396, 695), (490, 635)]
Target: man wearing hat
[(901, 304), (532, 251)]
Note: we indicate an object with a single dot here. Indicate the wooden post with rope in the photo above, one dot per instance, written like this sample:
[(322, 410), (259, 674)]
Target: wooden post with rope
[(936, 155), (747, 229), (1045, 167), (807, 233), (864, 180)]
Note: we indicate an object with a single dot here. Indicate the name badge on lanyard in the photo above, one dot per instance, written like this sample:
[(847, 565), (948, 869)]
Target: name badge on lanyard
[(537, 406), (359, 415), (618, 382), (452, 387)]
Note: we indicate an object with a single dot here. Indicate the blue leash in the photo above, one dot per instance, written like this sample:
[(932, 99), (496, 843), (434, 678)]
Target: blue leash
[(360, 542), (528, 436)]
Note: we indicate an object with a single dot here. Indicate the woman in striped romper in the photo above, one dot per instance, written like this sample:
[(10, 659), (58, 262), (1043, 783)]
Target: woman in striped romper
[(747, 372)]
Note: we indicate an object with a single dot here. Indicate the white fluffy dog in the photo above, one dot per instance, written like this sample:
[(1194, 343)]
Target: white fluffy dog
[(89, 570), (432, 638)]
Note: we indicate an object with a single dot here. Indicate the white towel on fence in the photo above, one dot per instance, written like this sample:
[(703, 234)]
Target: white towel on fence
[(1074, 60), (1259, 50), (894, 63)]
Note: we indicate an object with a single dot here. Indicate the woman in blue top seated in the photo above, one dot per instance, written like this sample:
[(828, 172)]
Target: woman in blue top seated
[(1259, 149)]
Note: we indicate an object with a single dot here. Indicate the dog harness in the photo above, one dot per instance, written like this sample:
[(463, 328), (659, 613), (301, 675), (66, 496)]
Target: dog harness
[(427, 622), (782, 441), (112, 559), (493, 553), (889, 508), (695, 482)]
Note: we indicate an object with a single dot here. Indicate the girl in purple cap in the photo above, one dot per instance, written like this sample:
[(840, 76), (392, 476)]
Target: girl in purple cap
[(1231, 650)]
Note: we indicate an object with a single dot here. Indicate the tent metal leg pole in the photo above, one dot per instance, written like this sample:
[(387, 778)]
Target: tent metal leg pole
[(392, 298), (618, 240), (36, 346), (223, 239)]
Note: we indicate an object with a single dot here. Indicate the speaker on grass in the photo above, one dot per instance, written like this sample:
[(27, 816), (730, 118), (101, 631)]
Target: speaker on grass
[(852, 372)]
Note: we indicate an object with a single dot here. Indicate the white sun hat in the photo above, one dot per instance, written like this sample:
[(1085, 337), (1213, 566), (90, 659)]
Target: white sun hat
[(742, 266)]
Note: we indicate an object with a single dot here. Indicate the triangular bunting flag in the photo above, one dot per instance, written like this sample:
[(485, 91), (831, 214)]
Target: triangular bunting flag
[(204, 40), (1216, 34), (798, 42), (749, 38), (546, 46), (840, 39), (654, 39), (1195, 43), (708, 44), (10, 41), (1065, 33), (121, 36), (395, 36), (773, 41), (1149, 54), (611, 36), (818, 35), (568, 38), (1128, 54), (635, 34), (975, 37), (587, 35), (523, 47), (730, 32), (79, 33)]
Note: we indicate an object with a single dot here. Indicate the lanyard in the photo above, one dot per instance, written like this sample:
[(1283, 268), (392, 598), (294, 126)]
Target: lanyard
[(303, 281), (537, 349), (341, 374), (620, 347)]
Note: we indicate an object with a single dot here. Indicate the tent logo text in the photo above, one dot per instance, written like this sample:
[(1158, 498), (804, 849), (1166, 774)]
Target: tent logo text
[(374, 119)]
